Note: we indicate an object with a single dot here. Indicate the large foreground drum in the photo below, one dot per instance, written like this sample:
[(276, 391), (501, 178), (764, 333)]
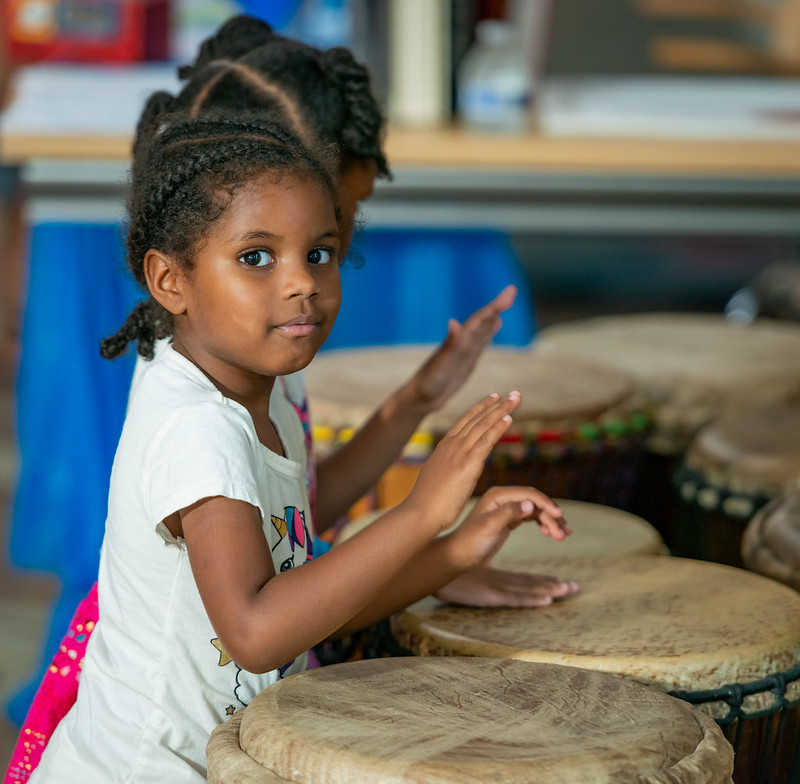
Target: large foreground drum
[(733, 467), (596, 530), (723, 638), (465, 721), (690, 367), (578, 432)]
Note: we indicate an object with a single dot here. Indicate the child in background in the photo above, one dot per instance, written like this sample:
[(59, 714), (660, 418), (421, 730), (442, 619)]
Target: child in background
[(208, 589)]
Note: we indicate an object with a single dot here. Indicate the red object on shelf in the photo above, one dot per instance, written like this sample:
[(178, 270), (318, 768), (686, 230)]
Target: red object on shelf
[(109, 31)]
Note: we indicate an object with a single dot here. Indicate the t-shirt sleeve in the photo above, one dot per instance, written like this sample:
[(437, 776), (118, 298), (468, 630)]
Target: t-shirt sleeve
[(203, 451)]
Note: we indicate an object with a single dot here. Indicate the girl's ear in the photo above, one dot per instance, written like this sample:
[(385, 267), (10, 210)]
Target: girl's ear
[(165, 280)]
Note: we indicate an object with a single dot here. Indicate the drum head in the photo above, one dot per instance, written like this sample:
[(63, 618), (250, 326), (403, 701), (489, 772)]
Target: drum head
[(754, 450), (596, 530), (345, 386), (471, 721), (673, 623), (688, 364), (771, 541)]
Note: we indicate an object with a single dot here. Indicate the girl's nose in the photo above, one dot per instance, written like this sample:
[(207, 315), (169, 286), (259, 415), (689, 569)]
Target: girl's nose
[(298, 279)]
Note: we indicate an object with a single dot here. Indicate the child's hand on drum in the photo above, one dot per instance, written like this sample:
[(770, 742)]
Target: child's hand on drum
[(451, 364), (498, 512), (447, 478), (488, 587)]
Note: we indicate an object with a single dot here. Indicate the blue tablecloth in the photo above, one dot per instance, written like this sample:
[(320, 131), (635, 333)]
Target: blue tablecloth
[(71, 402)]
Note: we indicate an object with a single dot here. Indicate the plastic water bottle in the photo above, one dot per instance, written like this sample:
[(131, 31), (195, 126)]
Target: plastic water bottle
[(494, 80)]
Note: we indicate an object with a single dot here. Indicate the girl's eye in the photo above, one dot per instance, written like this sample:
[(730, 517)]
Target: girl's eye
[(255, 258), (320, 256)]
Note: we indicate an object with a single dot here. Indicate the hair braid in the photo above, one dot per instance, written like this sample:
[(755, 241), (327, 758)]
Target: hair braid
[(363, 124)]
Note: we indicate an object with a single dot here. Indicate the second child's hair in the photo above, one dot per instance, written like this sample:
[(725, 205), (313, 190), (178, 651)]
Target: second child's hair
[(324, 96), (191, 172)]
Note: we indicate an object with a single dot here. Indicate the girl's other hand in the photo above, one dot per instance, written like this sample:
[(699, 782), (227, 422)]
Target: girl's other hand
[(498, 512), (451, 364), (448, 477), (488, 587)]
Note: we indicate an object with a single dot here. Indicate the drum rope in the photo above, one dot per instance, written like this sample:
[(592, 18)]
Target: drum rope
[(734, 695)]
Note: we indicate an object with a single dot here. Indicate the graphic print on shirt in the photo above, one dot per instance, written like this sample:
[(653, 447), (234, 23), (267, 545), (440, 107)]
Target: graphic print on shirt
[(292, 526), (243, 688)]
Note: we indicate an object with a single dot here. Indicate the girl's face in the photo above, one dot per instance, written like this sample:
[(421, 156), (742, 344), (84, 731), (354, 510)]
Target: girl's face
[(264, 291)]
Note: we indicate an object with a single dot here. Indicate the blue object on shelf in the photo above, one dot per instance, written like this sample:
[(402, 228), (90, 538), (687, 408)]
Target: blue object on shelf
[(70, 408), (279, 13), (413, 281)]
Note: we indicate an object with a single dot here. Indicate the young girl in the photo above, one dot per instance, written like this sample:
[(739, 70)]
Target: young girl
[(208, 591)]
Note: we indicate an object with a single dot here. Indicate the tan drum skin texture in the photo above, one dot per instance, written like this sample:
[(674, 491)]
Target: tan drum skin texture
[(466, 720), (689, 365), (673, 623), (771, 541), (345, 386), (750, 450), (596, 530)]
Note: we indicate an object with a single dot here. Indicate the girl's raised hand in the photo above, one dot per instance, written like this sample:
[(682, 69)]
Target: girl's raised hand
[(447, 478), (453, 361), (498, 512)]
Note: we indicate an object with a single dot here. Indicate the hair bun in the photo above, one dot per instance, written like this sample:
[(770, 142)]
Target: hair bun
[(238, 36)]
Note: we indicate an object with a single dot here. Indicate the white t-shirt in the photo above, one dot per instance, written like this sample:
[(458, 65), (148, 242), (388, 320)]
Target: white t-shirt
[(156, 679)]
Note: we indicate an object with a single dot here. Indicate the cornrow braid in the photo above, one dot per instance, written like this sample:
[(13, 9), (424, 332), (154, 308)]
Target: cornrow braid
[(192, 171)]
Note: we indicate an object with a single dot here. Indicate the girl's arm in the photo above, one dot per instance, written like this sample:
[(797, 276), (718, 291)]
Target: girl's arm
[(344, 477), (264, 620)]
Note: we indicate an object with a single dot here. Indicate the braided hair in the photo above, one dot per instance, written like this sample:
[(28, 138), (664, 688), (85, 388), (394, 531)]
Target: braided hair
[(324, 96), (192, 171)]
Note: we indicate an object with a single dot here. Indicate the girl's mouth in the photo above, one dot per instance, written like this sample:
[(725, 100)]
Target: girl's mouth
[(301, 326)]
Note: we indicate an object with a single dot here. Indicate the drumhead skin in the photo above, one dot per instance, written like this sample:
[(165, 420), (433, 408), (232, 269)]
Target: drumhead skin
[(672, 623), (345, 386), (688, 365), (596, 530), (771, 541), (468, 720), (754, 451)]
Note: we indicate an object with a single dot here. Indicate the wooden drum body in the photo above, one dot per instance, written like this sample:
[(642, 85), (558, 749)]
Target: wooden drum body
[(723, 638), (578, 432), (465, 721), (690, 367), (734, 466)]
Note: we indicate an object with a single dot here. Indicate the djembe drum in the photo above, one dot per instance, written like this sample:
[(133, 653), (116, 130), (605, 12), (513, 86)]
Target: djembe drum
[(771, 541), (465, 721), (722, 638), (577, 433), (689, 367), (596, 530), (733, 467)]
